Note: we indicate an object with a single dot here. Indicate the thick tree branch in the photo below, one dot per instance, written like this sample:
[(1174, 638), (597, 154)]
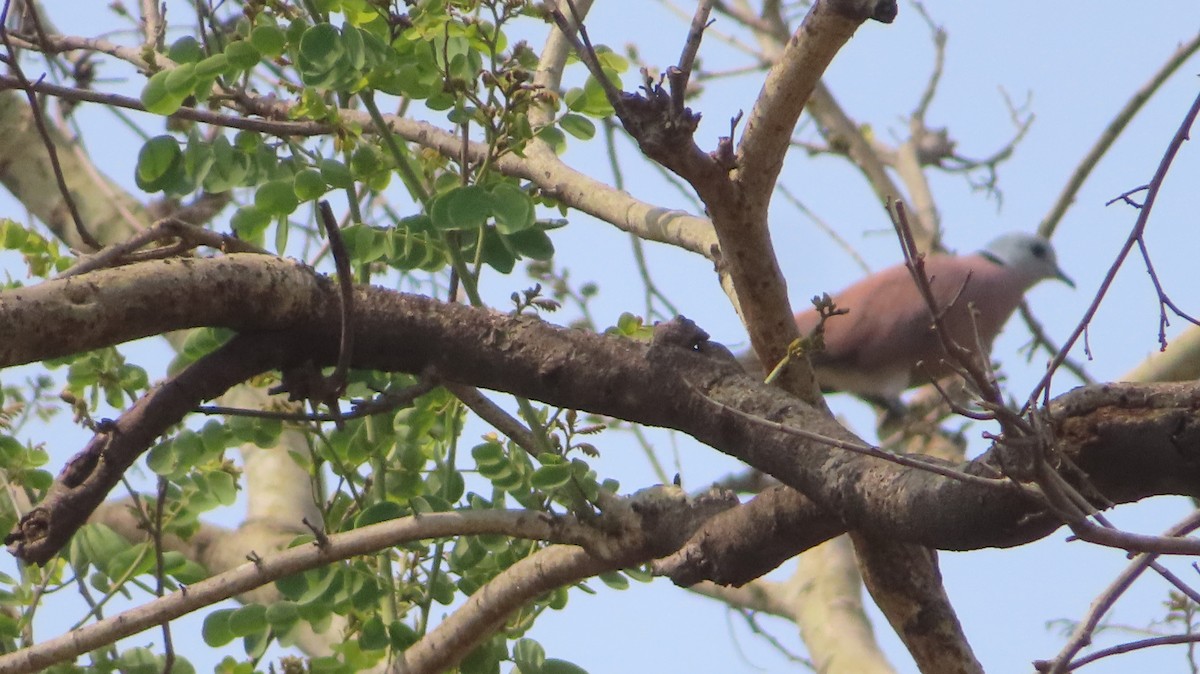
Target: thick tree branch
[(743, 543), (740, 213), (905, 582), (665, 384)]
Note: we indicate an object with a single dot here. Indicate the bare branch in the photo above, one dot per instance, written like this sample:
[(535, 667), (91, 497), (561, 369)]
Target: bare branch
[(1112, 131), (273, 566), (1139, 228)]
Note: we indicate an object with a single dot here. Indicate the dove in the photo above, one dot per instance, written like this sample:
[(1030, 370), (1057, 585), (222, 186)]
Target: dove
[(886, 343)]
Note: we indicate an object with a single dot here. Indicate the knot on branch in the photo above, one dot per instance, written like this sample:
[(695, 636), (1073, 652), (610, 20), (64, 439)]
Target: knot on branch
[(659, 120), (653, 522), (883, 11)]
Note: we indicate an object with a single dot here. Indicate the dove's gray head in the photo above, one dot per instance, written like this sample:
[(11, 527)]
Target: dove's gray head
[(1028, 256)]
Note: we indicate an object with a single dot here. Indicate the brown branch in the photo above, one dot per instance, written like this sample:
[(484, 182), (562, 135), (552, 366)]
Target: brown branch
[(296, 311), (545, 170), (746, 542), (40, 122), (649, 525), (905, 582), (335, 383), (270, 567), (1139, 229), (388, 401), (167, 228), (1109, 136), (487, 609), (740, 213), (90, 475), (1082, 634), (687, 59), (496, 416)]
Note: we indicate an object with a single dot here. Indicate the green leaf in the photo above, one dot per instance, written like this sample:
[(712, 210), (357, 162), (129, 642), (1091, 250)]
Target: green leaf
[(242, 55), (554, 138), (352, 43), (328, 585), (181, 81), (216, 630), (308, 184), (551, 477), (513, 208), (248, 620), (12, 234), (183, 569), (532, 243), (160, 161), (615, 580), (489, 453), (402, 635), (157, 98), (249, 222), (223, 487), (466, 207), (556, 666), (320, 55), (213, 66), (596, 102), (198, 158), (282, 614), (529, 656), (366, 161), (495, 253), (380, 512), (185, 50), (466, 553), (292, 587), (228, 168), (577, 125), (366, 244), (374, 635), (276, 197), (335, 173), (269, 39)]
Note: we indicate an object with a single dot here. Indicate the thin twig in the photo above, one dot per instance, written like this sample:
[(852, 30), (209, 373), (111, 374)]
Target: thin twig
[(160, 571), (1100, 606), (577, 35), (1139, 228), (1112, 131), (939, 62), (190, 236), (386, 402), (39, 121), (1134, 646), (1040, 338), (496, 416), (274, 127), (1164, 301), (974, 363), (341, 261), (687, 58), (867, 450)]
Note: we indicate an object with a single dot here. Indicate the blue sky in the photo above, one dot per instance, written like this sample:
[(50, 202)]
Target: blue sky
[(1077, 63)]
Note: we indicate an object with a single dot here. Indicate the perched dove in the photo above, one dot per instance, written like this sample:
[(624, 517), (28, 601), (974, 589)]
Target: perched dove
[(873, 350)]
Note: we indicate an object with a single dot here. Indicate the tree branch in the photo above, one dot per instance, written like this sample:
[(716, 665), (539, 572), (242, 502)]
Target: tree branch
[(267, 568), (669, 384)]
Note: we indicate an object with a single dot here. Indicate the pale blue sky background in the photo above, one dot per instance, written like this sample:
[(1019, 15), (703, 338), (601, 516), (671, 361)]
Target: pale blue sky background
[(1079, 61)]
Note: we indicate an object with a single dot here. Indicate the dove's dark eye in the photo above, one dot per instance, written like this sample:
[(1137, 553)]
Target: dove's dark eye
[(1038, 249)]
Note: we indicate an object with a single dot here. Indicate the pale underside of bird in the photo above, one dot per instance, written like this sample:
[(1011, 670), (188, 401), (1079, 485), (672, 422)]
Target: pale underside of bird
[(886, 343)]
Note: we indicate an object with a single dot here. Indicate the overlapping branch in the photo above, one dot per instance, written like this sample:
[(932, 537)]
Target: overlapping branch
[(290, 316)]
